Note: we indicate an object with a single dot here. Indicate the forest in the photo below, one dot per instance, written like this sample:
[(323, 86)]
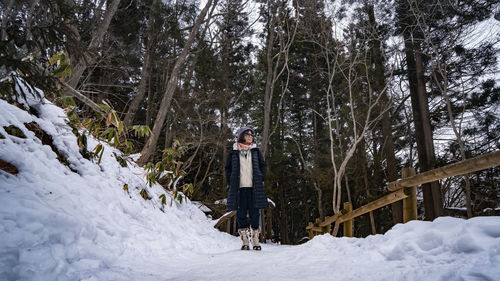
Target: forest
[(342, 94)]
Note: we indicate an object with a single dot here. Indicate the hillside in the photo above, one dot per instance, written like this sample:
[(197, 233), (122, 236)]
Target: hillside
[(72, 220)]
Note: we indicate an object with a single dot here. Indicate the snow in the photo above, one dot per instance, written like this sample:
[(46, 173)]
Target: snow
[(59, 223), (202, 207)]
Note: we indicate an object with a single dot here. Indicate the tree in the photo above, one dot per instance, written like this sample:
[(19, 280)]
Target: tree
[(379, 85), (280, 31), (435, 41), (81, 60), (450, 71), (146, 65), (421, 118), (150, 145)]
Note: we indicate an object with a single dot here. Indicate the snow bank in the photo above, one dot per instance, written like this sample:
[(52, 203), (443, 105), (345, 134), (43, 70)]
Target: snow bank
[(58, 224)]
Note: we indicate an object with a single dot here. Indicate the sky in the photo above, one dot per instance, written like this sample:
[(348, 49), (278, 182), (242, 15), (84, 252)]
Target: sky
[(77, 222)]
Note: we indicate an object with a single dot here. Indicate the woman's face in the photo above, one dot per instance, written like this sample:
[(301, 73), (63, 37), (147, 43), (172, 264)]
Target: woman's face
[(248, 137)]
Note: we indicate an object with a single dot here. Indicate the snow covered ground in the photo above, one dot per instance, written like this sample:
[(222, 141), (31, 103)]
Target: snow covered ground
[(59, 223)]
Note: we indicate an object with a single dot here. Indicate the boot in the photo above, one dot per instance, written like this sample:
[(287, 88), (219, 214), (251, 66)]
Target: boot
[(255, 238), (244, 237)]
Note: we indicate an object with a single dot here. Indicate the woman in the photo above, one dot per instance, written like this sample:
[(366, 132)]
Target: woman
[(245, 174)]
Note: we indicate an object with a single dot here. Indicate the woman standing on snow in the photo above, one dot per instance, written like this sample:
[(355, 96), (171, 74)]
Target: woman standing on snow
[(245, 174)]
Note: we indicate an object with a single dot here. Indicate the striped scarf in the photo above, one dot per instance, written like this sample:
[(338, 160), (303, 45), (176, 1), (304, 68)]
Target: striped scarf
[(243, 148)]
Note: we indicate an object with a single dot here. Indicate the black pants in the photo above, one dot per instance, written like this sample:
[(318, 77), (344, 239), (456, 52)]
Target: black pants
[(246, 206)]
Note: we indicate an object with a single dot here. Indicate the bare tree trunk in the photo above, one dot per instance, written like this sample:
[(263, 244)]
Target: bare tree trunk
[(146, 68), (87, 101), (421, 120), (442, 68), (468, 200), (150, 145), (372, 217), (273, 73), (458, 135), (435, 189), (149, 106), (388, 142), (318, 189), (269, 81), (362, 152), (358, 134), (283, 222), (170, 130), (223, 100), (222, 141), (87, 59), (316, 161), (390, 158), (347, 188)]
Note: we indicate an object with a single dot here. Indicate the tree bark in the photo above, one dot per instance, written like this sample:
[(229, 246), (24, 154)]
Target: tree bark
[(317, 164), (150, 145), (314, 180), (150, 105), (283, 223), (87, 101), (223, 100), (458, 135), (86, 59), (362, 152), (421, 120), (146, 69), (274, 72), (388, 141), (269, 81), (222, 141)]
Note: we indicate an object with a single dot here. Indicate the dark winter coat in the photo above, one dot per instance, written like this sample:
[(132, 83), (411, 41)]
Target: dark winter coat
[(233, 179)]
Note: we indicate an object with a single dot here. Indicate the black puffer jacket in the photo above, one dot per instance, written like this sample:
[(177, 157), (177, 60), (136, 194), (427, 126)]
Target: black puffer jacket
[(233, 179)]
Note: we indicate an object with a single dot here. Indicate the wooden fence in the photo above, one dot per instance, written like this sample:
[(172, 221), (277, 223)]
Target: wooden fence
[(403, 189)]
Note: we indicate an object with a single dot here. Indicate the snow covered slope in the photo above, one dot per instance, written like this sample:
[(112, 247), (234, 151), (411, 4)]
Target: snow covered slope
[(63, 225), (77, 222)]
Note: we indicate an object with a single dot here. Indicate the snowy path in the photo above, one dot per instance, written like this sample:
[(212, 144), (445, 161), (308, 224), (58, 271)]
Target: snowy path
[(377, 257), (272, 263)]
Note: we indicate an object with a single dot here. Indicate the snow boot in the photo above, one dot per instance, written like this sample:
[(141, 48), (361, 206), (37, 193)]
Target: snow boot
[(255, 239), (244, 237)]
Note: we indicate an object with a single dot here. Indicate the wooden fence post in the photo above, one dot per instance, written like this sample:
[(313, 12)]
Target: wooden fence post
[(316, 223), (409, 203), (328, 227), (348, 225)]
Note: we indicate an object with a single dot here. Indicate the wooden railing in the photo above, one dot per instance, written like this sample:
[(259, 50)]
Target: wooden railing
[(403, 189)]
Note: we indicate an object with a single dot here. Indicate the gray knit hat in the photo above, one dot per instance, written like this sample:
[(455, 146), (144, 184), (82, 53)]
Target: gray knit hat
[(243, 130)]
